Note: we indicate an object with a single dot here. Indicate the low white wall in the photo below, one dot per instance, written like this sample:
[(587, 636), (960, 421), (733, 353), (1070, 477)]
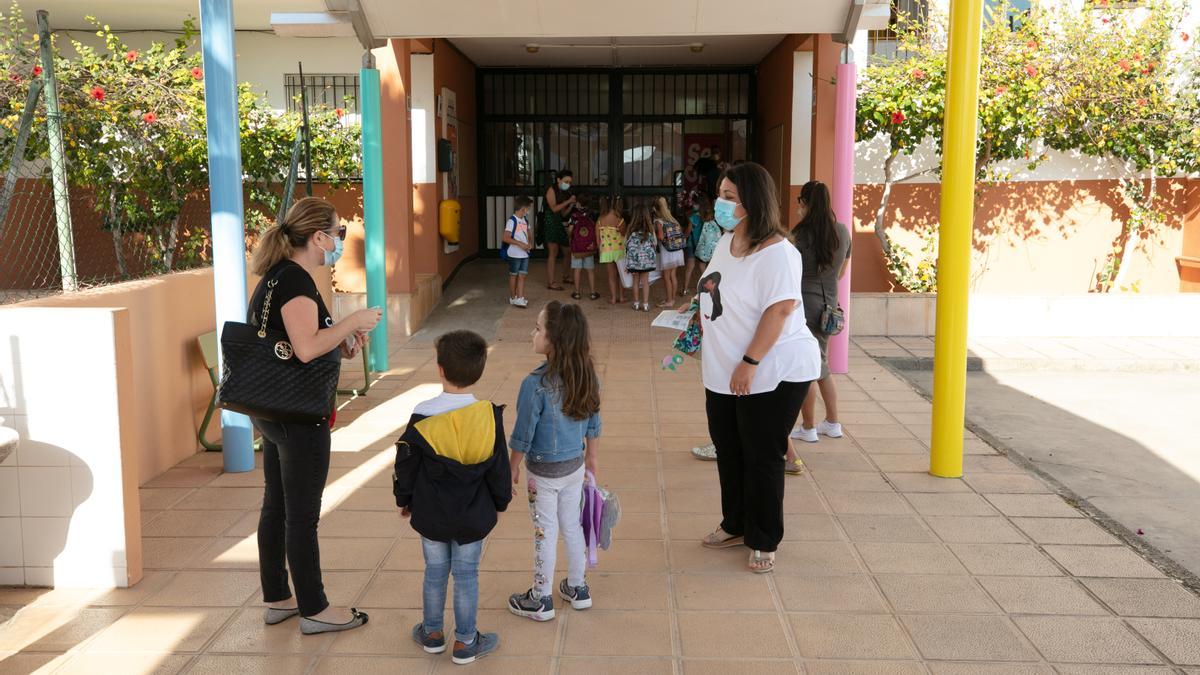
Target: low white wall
[(1083, 315), (69, 513)]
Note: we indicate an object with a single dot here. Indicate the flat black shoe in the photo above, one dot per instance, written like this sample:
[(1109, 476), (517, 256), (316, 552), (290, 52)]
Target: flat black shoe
[(313, 627)]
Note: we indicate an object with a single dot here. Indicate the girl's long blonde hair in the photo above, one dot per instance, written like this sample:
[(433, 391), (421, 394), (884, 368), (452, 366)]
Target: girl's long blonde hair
[(307, 217), (569, 363), (662, 210)]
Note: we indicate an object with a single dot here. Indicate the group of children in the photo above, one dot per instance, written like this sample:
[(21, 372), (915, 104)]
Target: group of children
[(647, 239), (453, 475)]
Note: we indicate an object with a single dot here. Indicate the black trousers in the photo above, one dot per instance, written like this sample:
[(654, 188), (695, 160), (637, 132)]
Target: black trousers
[(295, 465), (751, 435)]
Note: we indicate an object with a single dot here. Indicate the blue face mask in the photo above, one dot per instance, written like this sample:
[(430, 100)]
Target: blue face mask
[(723, 210), (564, 186), (333, 256)]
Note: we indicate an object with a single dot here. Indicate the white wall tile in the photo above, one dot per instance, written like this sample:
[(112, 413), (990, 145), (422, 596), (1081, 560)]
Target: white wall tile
[(39, 576), (12, 576), (45, 491), (11, 551), (10, 493), (44, 539)]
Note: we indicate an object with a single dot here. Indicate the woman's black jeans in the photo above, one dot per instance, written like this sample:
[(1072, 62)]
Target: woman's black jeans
[(295, 465), (751, 436)]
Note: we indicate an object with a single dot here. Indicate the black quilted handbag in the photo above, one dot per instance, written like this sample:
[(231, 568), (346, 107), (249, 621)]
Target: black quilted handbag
[(262, 377)]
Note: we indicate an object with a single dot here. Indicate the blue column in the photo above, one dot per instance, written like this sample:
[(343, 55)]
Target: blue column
[(225, 197), (375, 247)]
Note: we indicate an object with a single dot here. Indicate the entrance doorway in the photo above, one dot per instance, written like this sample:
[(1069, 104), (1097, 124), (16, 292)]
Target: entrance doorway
[(632, 133)]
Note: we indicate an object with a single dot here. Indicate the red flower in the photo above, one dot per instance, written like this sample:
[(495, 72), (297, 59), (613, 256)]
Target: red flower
[(1102, 3), (339, 112), (918, 74), (197, 74), (1124, 65), (1184, 36), (131, 56), (15, 77), (98, 93), (1106, 20), (897, 117), (149, 118), (1142, 102), (37, 70), (1000, 90), (1031, 45), (1137, 57), (1031, 70), (1148, 69)]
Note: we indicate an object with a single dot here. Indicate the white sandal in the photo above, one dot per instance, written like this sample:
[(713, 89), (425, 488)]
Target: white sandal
[(766, 562)]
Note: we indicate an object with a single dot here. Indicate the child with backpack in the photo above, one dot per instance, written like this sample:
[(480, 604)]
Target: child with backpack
[(641, 255), (710, 234), (556, 434), (671, 239), (452, 477), (517, 243), (585, 241), (612, 245)]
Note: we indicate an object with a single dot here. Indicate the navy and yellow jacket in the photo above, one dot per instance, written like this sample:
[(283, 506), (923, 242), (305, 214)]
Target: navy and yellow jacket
[(452, 472)]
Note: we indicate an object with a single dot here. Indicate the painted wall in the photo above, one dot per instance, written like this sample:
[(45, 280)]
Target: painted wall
[(453, 70), (774, 106), (425, 131), (1034, 237), (69, 509), (393, 61)]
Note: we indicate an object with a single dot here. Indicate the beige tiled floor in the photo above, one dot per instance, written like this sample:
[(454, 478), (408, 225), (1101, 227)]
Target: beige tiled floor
[(883, 569)]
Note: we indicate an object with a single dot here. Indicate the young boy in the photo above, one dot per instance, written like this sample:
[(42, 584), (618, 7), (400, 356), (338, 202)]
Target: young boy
[(516, 235), (452, 476)]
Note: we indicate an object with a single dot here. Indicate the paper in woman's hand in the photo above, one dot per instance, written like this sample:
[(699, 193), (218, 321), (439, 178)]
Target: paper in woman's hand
[(673, 319)]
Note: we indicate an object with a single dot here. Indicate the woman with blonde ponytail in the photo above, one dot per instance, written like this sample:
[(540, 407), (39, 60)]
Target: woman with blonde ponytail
[(296, 456)]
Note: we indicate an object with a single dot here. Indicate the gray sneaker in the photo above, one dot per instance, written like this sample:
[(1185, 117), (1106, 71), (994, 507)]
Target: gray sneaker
[(707, 453), (484, 644), (538, 609)]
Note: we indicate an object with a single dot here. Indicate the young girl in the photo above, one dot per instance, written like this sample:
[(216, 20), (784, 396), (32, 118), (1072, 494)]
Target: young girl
[(640, 254), (670, 236), (710, 234), (612, 245), (557, 432)]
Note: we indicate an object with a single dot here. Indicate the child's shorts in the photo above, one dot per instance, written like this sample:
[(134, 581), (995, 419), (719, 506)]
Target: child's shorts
[(518, 266), (588, 263)]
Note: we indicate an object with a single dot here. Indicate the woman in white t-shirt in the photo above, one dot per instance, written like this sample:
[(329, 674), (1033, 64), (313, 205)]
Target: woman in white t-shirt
[(758, 360)]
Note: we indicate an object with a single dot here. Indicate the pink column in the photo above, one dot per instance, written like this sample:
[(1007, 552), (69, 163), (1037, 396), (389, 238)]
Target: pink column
[(843, 197)]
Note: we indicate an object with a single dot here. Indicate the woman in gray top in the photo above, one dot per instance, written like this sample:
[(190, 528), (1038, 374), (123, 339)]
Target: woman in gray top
[(824, 246)]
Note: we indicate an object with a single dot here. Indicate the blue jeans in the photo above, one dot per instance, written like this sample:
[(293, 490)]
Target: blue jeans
[(463, 559)]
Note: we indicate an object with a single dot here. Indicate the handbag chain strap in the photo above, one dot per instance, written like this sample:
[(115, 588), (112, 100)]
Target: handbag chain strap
[(266, 310)]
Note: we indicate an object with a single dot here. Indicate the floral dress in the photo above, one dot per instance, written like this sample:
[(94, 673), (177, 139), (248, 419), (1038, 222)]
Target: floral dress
[(612, 247), (640, 254)]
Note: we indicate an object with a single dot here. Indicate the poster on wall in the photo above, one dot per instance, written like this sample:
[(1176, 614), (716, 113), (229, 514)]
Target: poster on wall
[(695, 148)]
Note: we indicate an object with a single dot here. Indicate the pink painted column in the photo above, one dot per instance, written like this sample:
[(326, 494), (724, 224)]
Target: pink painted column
[(843, 195)]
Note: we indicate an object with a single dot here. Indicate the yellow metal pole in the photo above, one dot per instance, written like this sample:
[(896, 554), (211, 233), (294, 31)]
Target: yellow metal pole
[(954, 238)]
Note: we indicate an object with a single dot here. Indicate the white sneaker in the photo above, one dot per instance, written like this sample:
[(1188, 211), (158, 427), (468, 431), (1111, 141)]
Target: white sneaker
[(806, 435), (707, 453), (830, 429), (521, 302), (512, 301)]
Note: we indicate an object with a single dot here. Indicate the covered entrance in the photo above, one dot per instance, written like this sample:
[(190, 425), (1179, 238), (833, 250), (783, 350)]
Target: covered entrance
[(633, 133)]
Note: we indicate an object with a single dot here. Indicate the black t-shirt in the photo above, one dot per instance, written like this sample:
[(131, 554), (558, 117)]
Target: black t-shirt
[(294, 281)]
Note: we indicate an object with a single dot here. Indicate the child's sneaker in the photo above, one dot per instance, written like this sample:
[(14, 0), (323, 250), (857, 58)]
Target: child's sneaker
[(806, 435), (484, 644), (432, 643), (538, 609), (579, 596), (522, 302), (830, 429)]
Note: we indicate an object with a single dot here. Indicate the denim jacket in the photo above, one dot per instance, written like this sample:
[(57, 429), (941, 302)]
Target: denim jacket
[(542, 431)]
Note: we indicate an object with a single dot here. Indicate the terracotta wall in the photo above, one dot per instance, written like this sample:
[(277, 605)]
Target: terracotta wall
[(394, 63), (1036, 237), (453, 70), (773, 106), (1189, 259)]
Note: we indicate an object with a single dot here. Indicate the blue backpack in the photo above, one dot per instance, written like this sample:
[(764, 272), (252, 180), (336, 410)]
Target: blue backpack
[(504, 245)]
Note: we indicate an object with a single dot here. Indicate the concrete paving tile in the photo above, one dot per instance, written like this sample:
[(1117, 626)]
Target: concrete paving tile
[(1033, 506), (741, 593), (373, 665), (206, 589), (1040, 595), (1070, 639), (870, 503), (127, 664), (893, 446), (54, 629), (738, 667), (732, 634), (1005, 559), (1102, 561), (948, 668), (1002, 483), (1065, 531), (834, 461), (950, 504), (1146, 597), (975, 530), (924, 482), (171, 552), (869, 528), (815, 558), (910, 593), (848, 593), (211, 498), (886, 558), (248, 634), (850, 636), (161, 629), (604, 633), (824, 667), (973, 465), (959, 637), (850, 481), (1177, 639), (901, 463), (635, 665), (1101, 669)]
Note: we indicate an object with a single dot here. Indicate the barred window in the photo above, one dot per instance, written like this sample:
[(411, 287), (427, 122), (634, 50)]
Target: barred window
[(322, 90)]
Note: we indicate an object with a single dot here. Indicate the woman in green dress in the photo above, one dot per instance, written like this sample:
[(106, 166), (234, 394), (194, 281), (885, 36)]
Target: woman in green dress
[(558, 207)]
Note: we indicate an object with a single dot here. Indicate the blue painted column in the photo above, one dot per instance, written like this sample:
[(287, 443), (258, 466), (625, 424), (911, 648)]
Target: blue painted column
[(225, 197), (375, 248)]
